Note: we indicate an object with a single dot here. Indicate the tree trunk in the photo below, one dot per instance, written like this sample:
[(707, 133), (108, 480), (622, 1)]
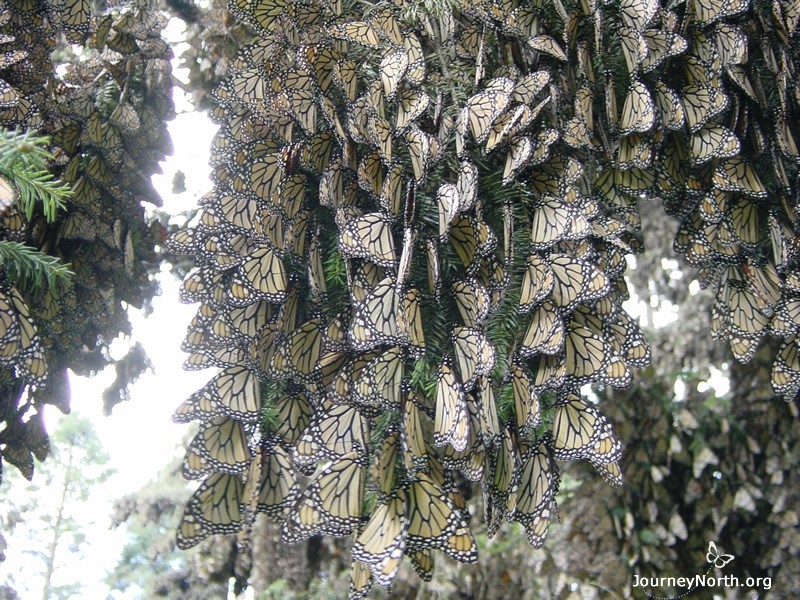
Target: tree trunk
[(50, 559)]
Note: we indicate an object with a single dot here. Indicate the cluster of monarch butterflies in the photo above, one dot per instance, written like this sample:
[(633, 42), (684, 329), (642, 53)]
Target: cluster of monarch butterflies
[(413, 256), (105, 117)]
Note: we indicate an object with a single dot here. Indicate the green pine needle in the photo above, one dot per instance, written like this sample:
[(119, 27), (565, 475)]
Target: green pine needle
[(24, 160), (28, 265)]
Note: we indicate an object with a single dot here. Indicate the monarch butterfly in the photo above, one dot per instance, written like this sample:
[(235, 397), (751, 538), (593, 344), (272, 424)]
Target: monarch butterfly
[(345, 75), (360, 32), (492, 274), (248, 86), (332, 504), (670, 107), (635, 151), (518, 156), (387, 26), (554, 220), (701, 103), (471, 460), (382, 543), (526, 400), (529, 86), (451, 424), (21, 457), (474, 354), (471, 239), (501, 498), (200, 406), (634, 47), (547, 45), (633, 181), (335, 430), (266, 175), (301, 102), (298, 356), (765, 283), (419, 149), (422, 561), (731, 44), (215, 508), (380, 137), (743, 223), (469, 42), (786, 319), (472, 300), (626, 338), (391, 198), (638, 13), (369, 236), (581, 431), (413, 434), (746, 318), (537, 283), (392, 68), (705, 13), (736, 175), (360, 580), (382, 471), (586, 353), (575, 281), (638, 111), (434, 522), (261, 277), (271, 485), (380, 380), (341, 389), (508, 125), (221, 445), (467, 185), (315, 154), (536, 494), (237, 393), (332, 184), (545, 333), (484, 107), (713, 141), (375, 321), (489, 422), (449, 205), (217, 357), (542, 144), (416, 59), (661, 45), (411, 105), (323, 59), (292, 415)]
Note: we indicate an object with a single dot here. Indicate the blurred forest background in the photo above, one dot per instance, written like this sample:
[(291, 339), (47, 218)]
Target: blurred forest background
[(711, 451)]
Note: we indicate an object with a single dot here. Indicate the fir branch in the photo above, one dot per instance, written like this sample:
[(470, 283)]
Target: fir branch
[(22, 262), (40, 185), (24, 160)]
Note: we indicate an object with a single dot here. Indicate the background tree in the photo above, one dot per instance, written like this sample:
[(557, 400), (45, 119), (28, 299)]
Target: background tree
[(94, 82), (49, 529)]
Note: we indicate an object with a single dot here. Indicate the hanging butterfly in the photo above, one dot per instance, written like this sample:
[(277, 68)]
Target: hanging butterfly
[(382, 542), (451, 425), (332, 504), (538, 485), (369, 236)]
